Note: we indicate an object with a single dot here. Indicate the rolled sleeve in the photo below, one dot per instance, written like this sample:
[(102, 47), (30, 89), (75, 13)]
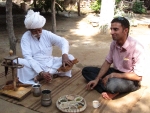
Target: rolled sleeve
[(109, 57), (65, 46), (139, 61)]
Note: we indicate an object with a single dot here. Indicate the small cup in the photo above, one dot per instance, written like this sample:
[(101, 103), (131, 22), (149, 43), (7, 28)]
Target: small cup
[(36, 88), (96, 103), (46, 99)]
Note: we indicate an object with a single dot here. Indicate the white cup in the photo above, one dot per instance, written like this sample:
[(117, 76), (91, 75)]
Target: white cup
[(96, 103)]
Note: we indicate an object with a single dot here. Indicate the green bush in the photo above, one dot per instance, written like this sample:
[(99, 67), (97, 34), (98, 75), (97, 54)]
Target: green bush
[(46, 5), (138, 8), (118, 1), (96, 5)]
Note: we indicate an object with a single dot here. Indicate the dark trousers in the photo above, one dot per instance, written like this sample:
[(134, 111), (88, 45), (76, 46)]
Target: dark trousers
[(113, 85)]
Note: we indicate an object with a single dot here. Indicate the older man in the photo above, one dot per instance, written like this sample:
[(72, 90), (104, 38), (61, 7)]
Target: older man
[(127, 57), (37, 45)]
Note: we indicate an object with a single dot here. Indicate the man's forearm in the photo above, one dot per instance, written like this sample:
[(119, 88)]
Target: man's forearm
[(129, 76), (103, 70)]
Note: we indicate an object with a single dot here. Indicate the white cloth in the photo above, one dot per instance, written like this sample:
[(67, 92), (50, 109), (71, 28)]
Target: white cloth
[(34, 20), (38, 55)]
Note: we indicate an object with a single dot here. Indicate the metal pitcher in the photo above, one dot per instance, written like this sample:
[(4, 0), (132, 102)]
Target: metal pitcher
[(46, 98), (36, 89)]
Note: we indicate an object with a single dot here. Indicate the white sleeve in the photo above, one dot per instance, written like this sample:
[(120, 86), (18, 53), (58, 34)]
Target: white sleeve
[(61, 42)]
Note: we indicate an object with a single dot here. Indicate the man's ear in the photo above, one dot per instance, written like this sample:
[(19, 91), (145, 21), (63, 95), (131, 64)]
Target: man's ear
[(126, 30)]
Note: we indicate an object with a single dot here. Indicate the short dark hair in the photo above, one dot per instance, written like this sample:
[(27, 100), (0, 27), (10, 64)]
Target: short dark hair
[(123, 21)]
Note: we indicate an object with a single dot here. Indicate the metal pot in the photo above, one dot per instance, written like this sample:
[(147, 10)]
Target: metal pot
[(36, 89), (46, 98)]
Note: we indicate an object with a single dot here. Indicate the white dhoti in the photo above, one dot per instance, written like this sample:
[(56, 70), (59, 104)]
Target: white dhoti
[(26, 74)]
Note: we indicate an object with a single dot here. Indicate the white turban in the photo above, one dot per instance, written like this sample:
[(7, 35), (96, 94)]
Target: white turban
[(34, 20)]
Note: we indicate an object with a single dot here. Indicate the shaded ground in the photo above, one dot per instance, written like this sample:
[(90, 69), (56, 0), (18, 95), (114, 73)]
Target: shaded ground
[(78, 31), (86, 44)]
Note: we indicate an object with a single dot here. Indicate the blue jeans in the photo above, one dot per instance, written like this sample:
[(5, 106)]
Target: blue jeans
[(113, 85)]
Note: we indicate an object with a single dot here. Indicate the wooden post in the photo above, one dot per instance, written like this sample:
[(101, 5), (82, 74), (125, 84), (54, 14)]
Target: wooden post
[(78, 3), (34, 2), (53, 16), (14, 78)]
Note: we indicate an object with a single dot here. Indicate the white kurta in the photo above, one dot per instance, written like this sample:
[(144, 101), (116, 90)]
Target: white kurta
[(38, 55)]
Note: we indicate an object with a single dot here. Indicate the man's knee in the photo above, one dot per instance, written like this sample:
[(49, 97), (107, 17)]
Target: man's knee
[(111, 86), (84, 71), (23, 61), (116, 85)]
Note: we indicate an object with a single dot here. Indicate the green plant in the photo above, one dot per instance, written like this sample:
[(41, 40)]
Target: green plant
[(118, 1), (45, 5), (138, 7), (37, 5), (119, 6), (96, 5)]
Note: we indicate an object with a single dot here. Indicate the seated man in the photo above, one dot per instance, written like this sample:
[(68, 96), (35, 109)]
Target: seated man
[(36, 45), (127, 57)]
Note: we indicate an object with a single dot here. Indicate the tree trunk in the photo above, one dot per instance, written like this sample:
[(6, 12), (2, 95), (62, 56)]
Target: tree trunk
[(106, 15), (10, 29), (34, 3), (78, 3), (53, 16)]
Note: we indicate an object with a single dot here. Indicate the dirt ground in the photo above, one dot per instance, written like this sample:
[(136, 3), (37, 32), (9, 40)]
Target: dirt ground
[(86, 43), (84, 39)]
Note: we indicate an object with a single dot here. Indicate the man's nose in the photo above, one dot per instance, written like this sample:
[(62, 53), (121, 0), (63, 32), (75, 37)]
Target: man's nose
[(112, 32), (38, 32)]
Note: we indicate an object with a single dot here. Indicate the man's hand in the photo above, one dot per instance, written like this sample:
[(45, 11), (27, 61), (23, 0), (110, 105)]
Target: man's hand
[(47, 76), (66, 61), (105, 79), (91, 84)]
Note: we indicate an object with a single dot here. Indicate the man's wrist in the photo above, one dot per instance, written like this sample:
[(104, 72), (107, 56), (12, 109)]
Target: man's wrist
[(64, 55), (41, 73), (98, 78)]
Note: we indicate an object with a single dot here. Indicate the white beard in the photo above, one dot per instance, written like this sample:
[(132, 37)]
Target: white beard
[(37, 35)]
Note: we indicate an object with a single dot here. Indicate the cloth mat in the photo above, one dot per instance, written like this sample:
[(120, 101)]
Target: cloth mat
[(76, 85)]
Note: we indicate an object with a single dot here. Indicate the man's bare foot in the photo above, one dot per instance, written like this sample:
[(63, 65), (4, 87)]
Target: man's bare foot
[(55, 76), (109, 96)]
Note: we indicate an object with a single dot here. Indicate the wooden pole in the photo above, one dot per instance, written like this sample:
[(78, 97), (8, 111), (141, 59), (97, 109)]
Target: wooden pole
[(14, 78), (78, 3), (53, 16)]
